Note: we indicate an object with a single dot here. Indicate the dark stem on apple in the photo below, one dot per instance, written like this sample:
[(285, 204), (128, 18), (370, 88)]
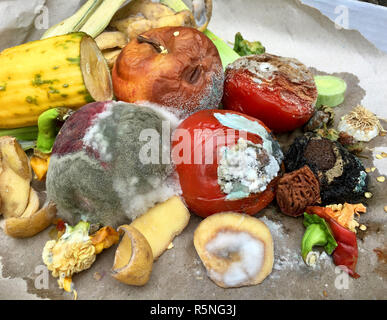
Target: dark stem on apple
[(154, 43)]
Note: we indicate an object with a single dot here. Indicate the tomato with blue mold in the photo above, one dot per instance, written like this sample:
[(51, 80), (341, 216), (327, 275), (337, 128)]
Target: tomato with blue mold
[(226, 161)]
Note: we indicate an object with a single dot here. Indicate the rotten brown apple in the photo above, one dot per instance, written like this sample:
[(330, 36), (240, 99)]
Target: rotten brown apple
[(176, 67)]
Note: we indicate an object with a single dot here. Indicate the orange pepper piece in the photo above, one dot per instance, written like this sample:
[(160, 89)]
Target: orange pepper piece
[(40, 167), (104, 238)]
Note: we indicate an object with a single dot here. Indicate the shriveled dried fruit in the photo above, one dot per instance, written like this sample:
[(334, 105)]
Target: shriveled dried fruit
[(341, 175), (346, 139), (322, 117), (297, 190)]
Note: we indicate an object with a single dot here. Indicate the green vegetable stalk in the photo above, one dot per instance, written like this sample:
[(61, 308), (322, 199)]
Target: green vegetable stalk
[(317, 233), (245, 48), (48, 127), (25, 133)]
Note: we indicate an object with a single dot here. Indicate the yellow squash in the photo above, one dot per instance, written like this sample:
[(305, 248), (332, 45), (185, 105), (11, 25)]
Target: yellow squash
[(63, 71)]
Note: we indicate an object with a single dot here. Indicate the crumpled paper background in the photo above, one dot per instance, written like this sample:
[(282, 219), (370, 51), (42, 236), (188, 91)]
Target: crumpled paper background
[(370, 20), (285, 27)]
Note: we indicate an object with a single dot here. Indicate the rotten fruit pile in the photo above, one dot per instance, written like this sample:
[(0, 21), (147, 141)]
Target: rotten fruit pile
[(135, 117)]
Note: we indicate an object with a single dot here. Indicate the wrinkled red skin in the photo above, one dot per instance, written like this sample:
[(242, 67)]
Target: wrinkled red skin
[(199, 182), (346, 252), (242, 94)]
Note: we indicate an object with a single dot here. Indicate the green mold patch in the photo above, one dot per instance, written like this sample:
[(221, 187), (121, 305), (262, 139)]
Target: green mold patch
[(32, 100), (74, 60), (38, 81)]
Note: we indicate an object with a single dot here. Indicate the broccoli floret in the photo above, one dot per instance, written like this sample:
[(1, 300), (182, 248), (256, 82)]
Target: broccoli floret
[(245, 48)]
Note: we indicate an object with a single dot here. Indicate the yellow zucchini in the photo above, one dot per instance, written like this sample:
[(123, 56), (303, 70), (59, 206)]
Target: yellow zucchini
[(63, 71)]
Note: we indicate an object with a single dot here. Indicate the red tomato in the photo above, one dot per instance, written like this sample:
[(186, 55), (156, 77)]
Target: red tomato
[(277, 97), (199, 181)]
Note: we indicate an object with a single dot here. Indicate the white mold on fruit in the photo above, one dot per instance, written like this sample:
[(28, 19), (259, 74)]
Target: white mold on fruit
[(245, 168), (248, 251), (137, 205), (108, 160), (361, 124), (357, 133), (237, 122), (94, 136)]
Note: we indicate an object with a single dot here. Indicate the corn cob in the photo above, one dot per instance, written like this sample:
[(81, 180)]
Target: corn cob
[(64, 71), (227, 54)]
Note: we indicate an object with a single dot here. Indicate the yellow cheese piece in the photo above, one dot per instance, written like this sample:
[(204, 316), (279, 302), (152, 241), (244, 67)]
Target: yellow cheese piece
[(161, 224)]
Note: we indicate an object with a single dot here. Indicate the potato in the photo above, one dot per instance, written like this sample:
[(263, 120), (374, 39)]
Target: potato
[(161, 224), (133, 26), (15, 178), (183, 18), (147, 9), (236, 249), (140, 16), (111, 39), (33, 204), (111, 56), (133, 260), (29, 226)]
